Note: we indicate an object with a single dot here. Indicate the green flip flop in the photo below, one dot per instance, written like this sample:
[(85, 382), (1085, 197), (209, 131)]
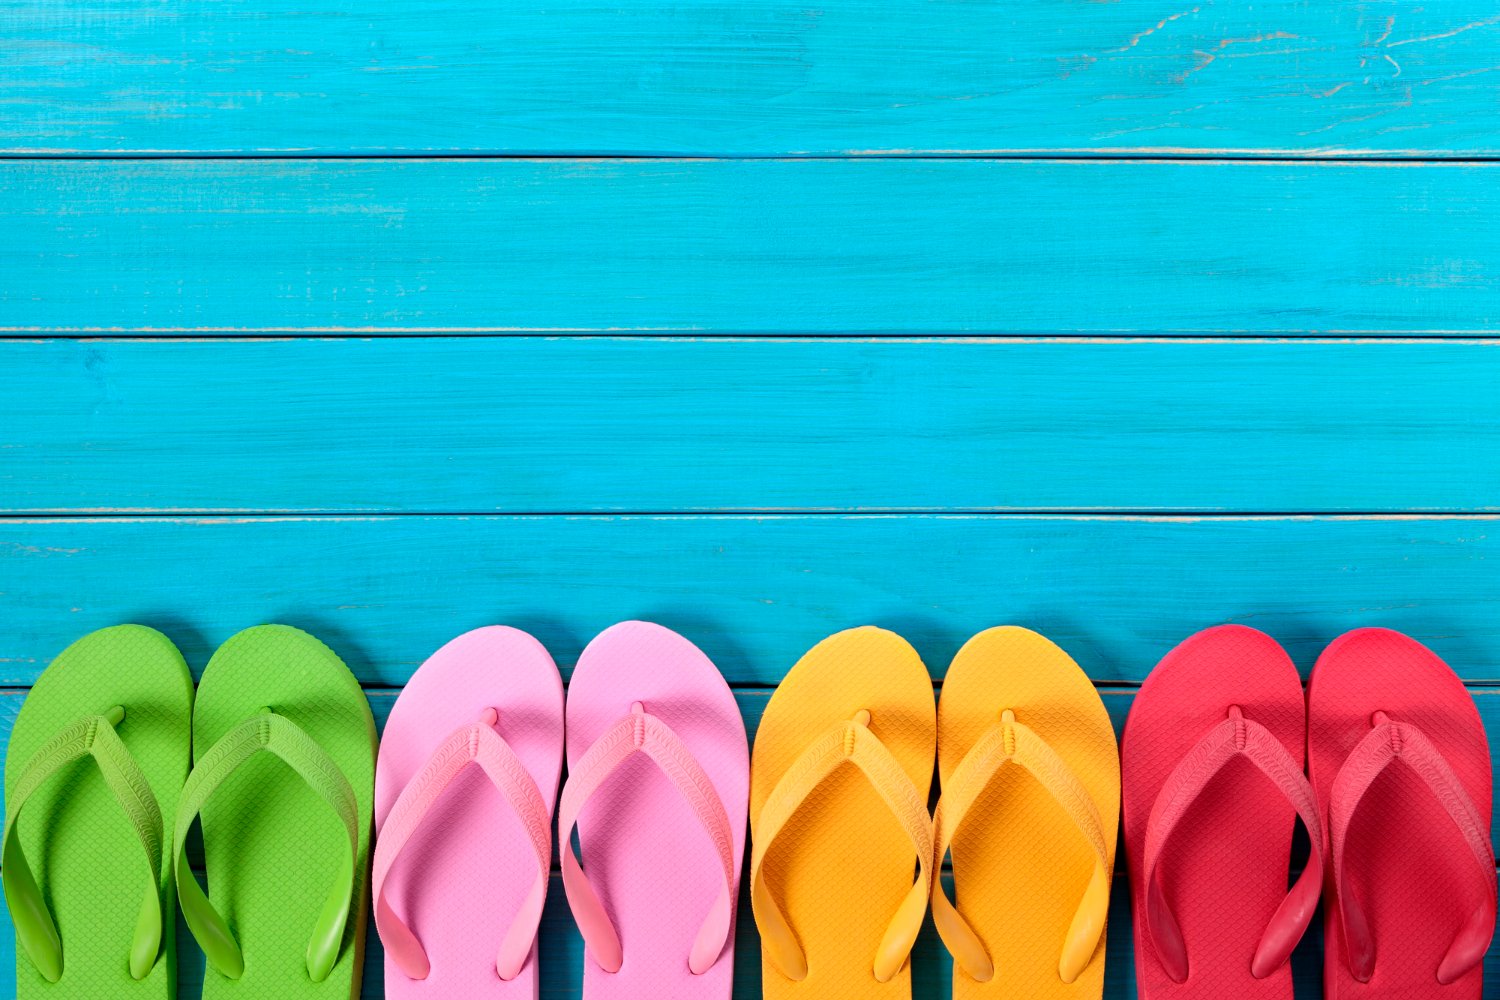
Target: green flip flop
[(283, 781), (97, 757)]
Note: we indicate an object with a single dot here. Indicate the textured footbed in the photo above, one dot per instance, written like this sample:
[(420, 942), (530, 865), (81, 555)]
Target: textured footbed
[(841, 867), (269, 842), (1020, 865), (463, 876), (1225, 870), (643, 849), (1405, 860), (83, 851)]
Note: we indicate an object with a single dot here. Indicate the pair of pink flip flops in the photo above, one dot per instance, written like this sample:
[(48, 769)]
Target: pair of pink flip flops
[(658, 790), (1396, 804)]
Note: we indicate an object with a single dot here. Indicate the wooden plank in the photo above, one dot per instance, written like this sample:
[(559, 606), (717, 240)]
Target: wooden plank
[(561, 949), (754, 591), (849, 76), (594, 424), (777, 246)]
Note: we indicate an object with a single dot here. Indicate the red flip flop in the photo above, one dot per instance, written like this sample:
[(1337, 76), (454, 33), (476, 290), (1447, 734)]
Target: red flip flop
[(1410, 900), (1211, 763)]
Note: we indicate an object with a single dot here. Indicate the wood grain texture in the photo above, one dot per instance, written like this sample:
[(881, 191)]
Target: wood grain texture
[(777, 77), (594, 424), (755, 591), (774, 246), (561, 949)]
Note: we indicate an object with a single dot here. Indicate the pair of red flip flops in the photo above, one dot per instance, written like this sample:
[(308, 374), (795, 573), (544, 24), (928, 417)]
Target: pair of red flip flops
[(1396, 803)]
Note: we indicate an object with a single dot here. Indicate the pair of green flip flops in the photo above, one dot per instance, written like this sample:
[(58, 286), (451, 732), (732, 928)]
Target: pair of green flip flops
[(99, 801)]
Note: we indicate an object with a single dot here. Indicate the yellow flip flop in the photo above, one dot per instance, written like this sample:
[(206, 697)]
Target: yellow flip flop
[(1030, 808), (838, 805)]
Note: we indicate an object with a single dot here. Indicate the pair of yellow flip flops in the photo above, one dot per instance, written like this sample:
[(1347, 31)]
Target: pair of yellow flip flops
[(840, 779)]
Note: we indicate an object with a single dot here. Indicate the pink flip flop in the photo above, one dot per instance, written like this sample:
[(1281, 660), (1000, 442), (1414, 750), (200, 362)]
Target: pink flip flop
[(1410, 903), (1211, 763), (658, 786), (463, 854)]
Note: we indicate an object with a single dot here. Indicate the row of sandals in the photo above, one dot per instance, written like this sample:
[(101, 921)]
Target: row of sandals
[(1383, 760)]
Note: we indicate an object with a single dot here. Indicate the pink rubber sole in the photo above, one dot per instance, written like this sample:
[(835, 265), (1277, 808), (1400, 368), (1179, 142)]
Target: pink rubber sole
[(646, 854), (467, 870), (1225, 869)]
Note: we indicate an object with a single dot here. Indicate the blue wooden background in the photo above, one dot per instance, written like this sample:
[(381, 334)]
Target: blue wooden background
[(761, 320)]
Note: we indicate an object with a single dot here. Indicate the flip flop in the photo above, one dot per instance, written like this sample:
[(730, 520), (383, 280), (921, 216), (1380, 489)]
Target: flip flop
[(1212, 764), (1031, 809), (84, 873), (463, 853), (284, 749), (835, 846), (658, 768), (1410, 903)]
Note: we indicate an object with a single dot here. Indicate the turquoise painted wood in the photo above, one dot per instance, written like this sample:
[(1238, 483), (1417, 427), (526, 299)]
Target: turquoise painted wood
[(755, 591), (776, 246), (776, 77), (590, 424)]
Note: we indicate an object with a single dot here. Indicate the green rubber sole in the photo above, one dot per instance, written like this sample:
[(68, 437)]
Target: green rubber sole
[(269, 842), (85, 855)]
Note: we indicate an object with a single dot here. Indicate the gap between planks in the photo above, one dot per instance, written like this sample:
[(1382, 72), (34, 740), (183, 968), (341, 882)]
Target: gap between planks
[(35, 336), (1150, 154), (127, 515)]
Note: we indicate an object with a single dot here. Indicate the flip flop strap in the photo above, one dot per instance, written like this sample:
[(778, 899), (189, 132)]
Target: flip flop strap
[(278, 735), (1012, 742), (850, 742), (92, 736), (468, 745), (642, 732), (1386, 743), (1235, 738)]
